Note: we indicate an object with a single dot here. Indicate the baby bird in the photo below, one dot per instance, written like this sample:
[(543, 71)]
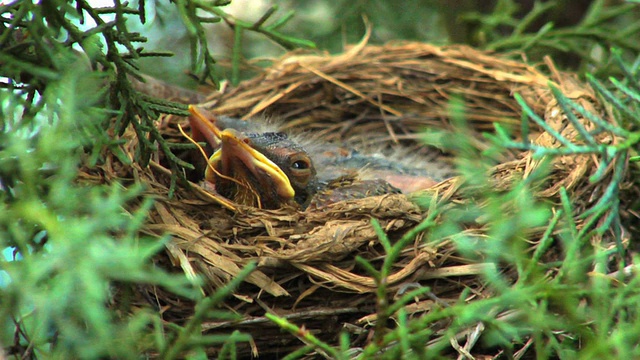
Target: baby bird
[(267, 169), (260, 169)]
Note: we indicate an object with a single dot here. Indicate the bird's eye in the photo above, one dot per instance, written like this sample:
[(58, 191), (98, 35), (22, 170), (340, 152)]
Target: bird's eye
[(301, 170), (300, 165)]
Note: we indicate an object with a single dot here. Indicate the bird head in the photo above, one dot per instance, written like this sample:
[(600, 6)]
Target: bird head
[(266, 170)]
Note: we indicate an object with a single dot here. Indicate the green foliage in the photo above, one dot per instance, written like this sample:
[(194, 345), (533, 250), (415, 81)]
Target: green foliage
[(68, 243), (625, 105), (576, 34), (200, 53), (37, 42), (572, 33), (334, 24), (189, 338), (72, 251)]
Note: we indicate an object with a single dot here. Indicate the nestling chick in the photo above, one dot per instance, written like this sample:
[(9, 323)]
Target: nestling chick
[(267, 169)]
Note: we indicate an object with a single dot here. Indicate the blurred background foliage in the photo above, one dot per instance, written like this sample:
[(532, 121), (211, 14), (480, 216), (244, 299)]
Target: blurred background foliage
[(64, 77), (576, 34)]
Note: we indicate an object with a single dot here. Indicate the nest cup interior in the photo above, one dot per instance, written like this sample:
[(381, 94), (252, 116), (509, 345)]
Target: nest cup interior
[(367, 95)]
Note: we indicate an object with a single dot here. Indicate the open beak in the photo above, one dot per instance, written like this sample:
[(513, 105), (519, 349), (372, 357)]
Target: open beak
[(235, 152), (203, 127), (232, 151)]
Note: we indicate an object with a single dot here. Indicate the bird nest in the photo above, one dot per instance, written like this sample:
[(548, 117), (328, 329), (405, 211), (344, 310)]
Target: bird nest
[(381, 96)]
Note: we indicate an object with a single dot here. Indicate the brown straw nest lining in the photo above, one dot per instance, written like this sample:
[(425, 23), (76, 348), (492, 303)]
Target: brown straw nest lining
[(369, 94)]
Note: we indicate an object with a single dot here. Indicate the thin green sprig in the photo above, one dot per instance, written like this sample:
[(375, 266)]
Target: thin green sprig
[(189, 337), (598, 28), (612, 157), (199, 50), (305, 336)]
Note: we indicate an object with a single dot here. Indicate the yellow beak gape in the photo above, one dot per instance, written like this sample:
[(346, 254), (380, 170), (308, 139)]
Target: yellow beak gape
[(252, 159)]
